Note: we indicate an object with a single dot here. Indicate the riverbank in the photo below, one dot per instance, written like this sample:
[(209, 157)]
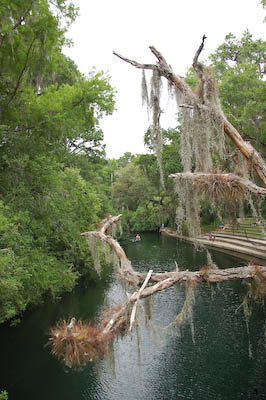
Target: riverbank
[(245, 247)]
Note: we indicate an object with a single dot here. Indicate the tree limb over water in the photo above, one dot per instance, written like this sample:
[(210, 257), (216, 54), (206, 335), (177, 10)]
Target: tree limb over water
[(84, 343), (165, 280)]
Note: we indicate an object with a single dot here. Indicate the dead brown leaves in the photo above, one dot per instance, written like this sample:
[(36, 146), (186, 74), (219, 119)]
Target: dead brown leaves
[(82, 344), (218, 187)]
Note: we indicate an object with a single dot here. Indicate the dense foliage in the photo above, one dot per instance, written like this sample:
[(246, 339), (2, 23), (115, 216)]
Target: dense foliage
[(137, 191), (50, 154)]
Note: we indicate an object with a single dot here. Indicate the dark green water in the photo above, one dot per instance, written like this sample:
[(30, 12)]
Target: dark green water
[(216, 366)]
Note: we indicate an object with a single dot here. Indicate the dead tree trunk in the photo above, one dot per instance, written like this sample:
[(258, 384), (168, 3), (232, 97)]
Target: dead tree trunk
[(193, 100)]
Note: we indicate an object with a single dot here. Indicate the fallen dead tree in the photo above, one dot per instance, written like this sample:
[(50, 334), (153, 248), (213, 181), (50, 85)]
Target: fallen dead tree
[(77, 343)]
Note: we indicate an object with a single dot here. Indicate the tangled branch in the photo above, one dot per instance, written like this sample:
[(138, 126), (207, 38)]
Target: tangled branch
[(77, 343), (229, 186)]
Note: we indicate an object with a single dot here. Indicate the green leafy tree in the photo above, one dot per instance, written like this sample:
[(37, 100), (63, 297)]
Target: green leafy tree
[(129, 188), (31, 39), (138, 191), (26, 270), (50, 145), (240, 66), (171, 159), (3, 395)]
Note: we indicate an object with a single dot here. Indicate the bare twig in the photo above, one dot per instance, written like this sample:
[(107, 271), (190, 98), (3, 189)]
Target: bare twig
[(135, 63), (132, 318), (196, 65)]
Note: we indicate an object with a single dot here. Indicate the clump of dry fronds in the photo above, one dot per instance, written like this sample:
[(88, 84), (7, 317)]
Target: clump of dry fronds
[(77, 343), (219, 187)]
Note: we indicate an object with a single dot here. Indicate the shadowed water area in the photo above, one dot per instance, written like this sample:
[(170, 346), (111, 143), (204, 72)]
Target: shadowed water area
[(210, 360)]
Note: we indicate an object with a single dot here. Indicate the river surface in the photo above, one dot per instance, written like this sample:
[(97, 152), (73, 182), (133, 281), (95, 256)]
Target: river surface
[(214, 357)]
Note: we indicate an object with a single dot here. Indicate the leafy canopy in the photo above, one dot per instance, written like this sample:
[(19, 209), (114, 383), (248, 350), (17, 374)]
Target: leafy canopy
[(53, 182)]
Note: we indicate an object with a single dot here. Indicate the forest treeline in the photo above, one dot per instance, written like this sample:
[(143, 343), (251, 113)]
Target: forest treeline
[(56, 181)]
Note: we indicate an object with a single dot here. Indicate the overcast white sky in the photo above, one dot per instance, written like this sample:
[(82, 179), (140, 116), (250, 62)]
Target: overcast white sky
[(174, 27)]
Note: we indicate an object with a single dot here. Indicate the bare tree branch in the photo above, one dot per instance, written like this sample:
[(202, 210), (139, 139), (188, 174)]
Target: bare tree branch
[(198, 67), (164, 69), (192, 100), (133, 314), (135, 63), (77, 343), (166, 280), (126, 271)]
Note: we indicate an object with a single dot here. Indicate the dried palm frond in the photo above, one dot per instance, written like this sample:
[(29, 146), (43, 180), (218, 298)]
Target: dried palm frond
[(77, 343), (221, 187)]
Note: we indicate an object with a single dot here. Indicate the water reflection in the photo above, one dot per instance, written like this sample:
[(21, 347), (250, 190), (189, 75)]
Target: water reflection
[(217, 366)]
